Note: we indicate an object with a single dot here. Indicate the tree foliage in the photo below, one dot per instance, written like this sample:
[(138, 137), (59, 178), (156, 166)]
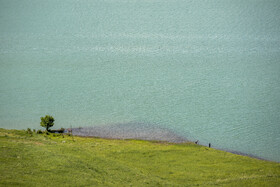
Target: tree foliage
[(47, 122)]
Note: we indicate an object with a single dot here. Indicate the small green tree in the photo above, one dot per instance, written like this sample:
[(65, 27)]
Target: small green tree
[(47, 122)]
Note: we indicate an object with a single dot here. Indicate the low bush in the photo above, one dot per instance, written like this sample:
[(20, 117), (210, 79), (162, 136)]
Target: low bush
[(39, 132), (28, 131)]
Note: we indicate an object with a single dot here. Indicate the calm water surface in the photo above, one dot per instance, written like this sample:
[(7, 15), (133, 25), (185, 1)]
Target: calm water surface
[(206, 70)]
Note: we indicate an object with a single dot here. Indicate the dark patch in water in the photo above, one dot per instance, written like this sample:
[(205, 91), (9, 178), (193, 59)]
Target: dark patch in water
[(141, 131)]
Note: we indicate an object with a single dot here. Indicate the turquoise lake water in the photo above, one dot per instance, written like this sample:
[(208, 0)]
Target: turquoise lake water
[(206, 70)]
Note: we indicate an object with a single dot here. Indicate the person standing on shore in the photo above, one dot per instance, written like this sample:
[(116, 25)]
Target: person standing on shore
[(209, 145)]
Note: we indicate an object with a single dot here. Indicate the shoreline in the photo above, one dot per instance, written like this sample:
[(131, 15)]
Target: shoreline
[(178, 143), (184, 141), (170, 138)]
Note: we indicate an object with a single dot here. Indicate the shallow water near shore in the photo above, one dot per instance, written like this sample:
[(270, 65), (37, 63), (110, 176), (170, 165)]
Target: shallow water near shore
[(139, 131), (206, 71)]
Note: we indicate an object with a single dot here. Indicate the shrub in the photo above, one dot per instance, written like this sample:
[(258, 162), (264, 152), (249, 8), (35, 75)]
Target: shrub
[(29, 131), (39, 132)]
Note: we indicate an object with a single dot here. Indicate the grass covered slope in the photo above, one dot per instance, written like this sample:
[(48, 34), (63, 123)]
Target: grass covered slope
[(44, 160)]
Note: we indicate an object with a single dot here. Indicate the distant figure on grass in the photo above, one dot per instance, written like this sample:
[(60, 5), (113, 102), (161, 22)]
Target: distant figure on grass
[(209, 145), (196, 142), (47, 122)]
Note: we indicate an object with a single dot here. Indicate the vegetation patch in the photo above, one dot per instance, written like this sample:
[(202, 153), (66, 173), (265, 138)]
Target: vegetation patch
[(60, 160)]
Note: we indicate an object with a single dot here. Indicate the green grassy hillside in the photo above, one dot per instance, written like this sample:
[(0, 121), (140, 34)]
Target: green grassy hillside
[(49, 160)]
